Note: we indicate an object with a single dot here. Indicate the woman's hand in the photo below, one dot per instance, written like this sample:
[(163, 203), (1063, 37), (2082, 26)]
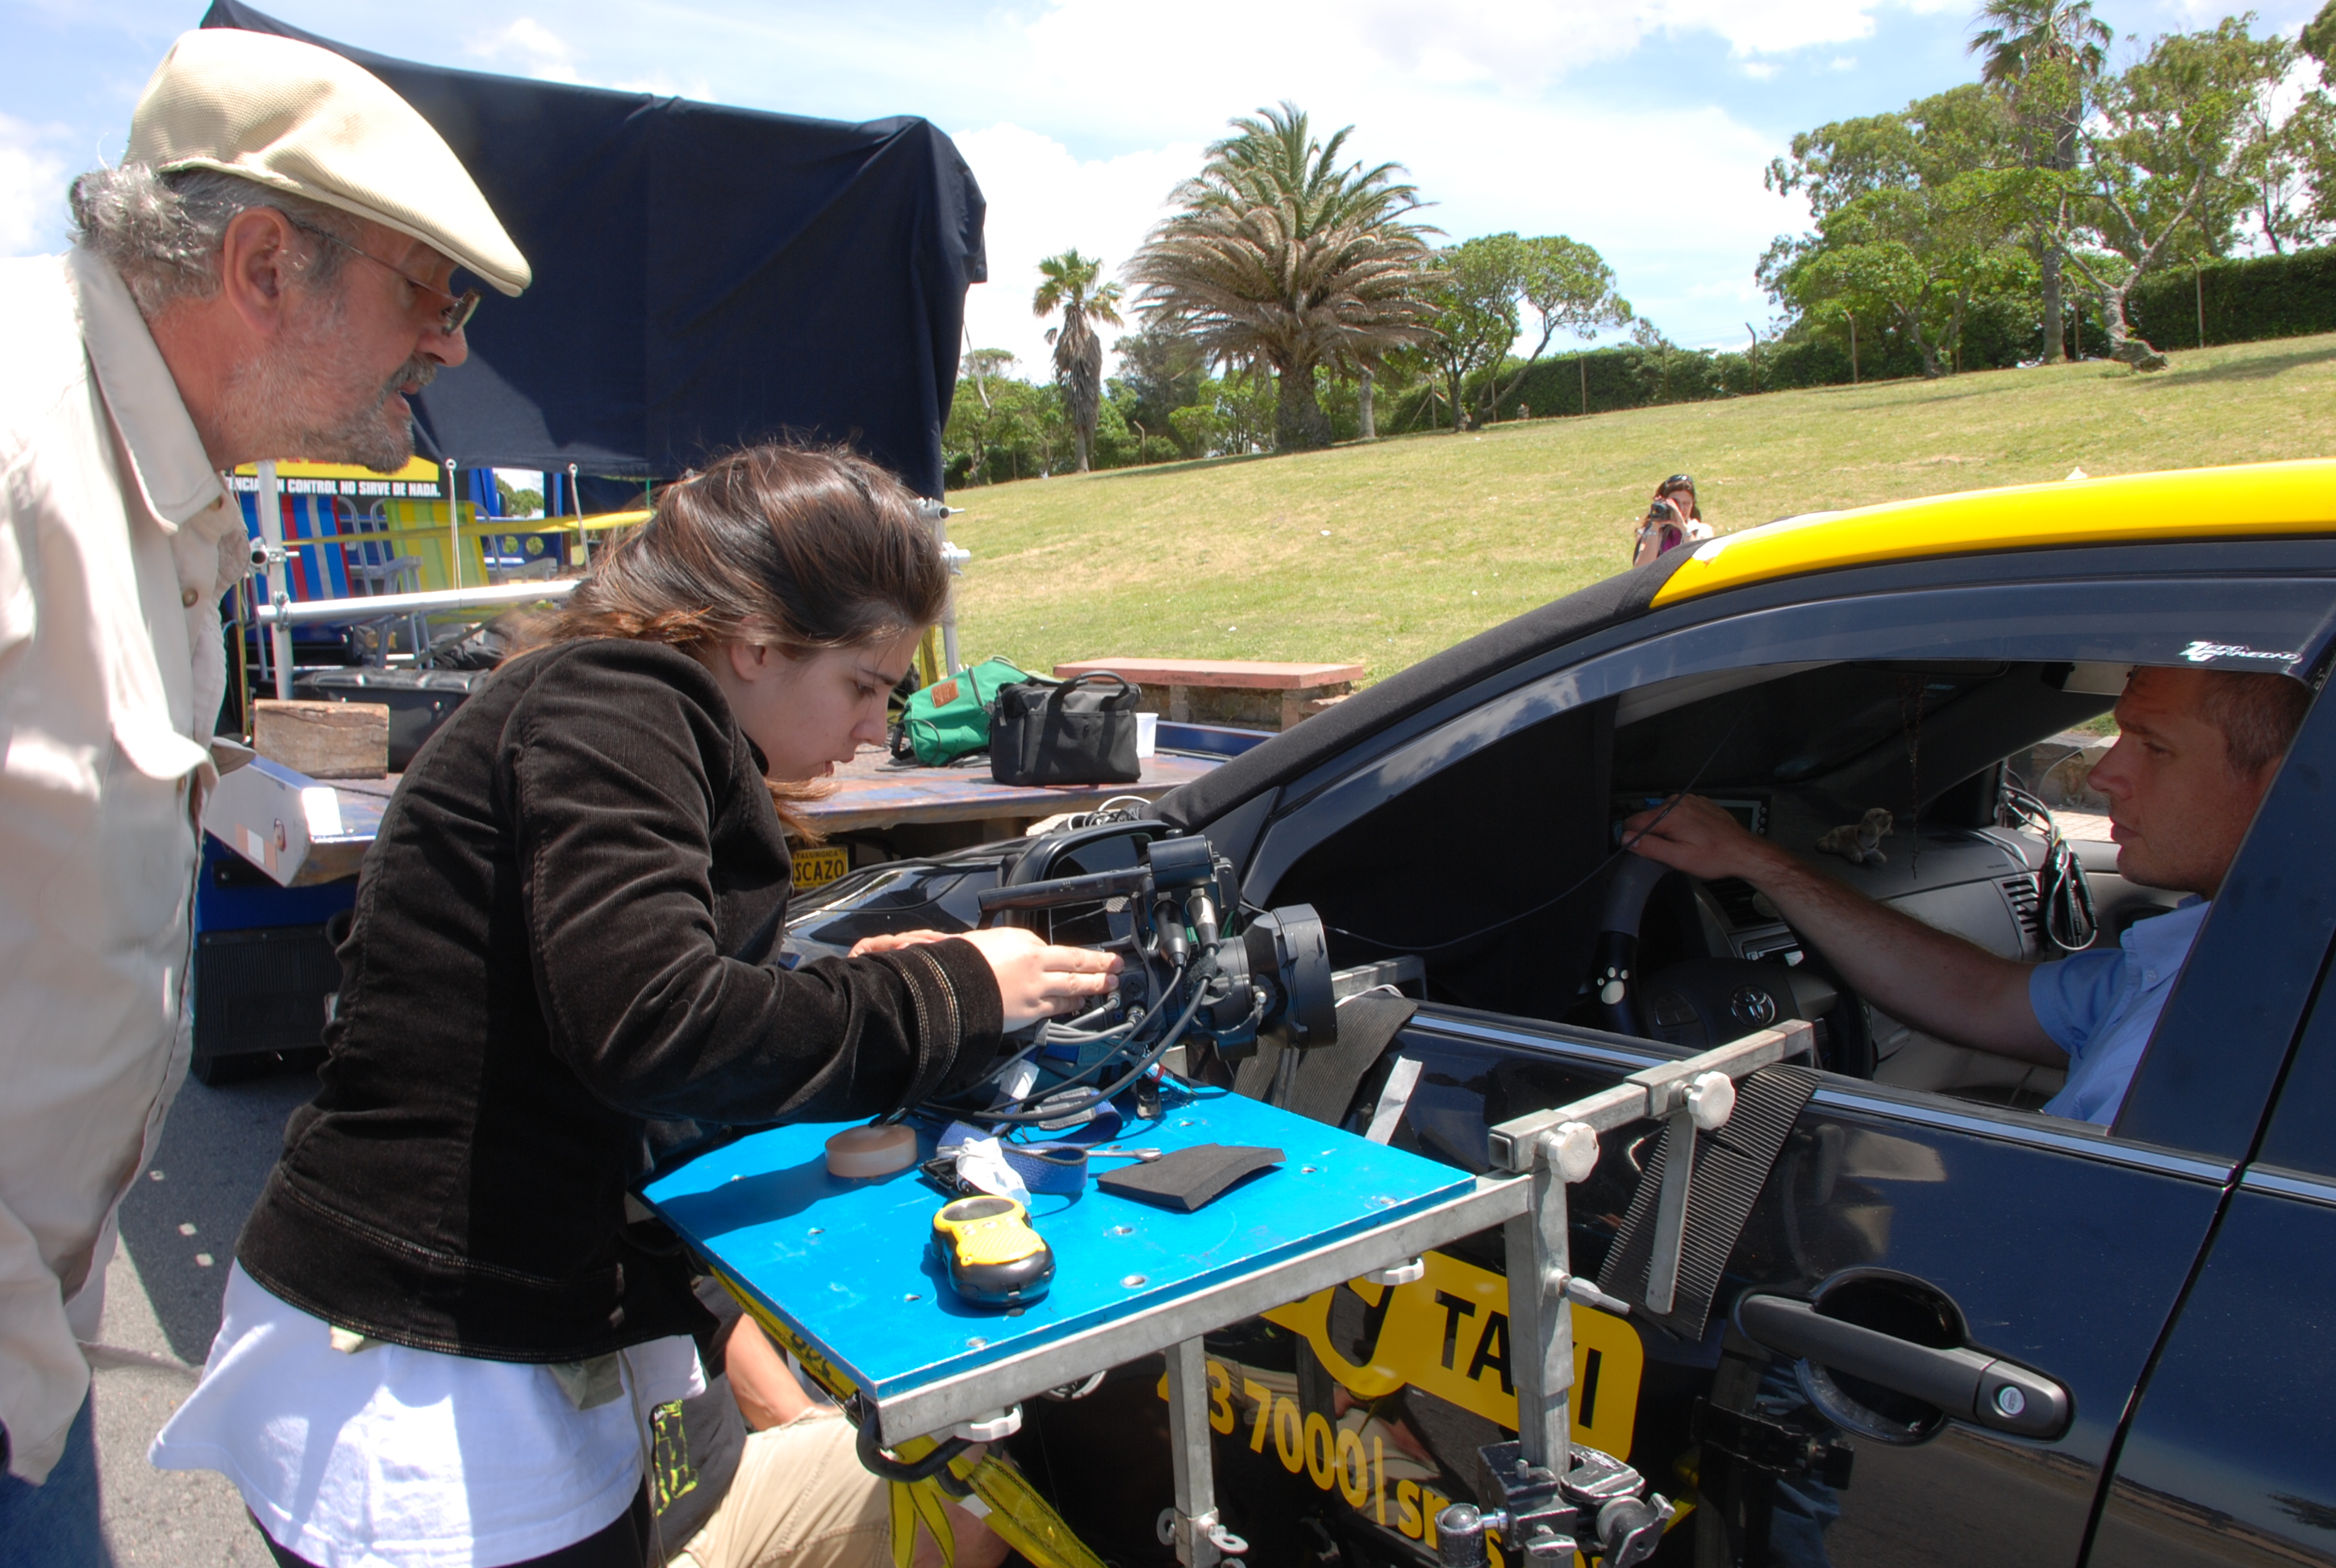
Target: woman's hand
[(1034, 979)]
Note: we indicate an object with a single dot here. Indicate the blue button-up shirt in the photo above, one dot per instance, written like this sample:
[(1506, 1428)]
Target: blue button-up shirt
[(2100, 1006)]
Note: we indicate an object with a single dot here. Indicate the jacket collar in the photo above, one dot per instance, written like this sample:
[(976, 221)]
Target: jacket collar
[(173, 472)]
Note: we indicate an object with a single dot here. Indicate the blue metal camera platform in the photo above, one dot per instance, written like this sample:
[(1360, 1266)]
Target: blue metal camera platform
[(843, 1265)]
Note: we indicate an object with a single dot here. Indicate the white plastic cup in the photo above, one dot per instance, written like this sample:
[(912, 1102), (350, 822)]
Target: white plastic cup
[(1147, 733)]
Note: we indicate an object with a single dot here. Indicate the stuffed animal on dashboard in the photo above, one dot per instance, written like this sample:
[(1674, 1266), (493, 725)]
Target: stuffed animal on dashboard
[(1861, 840)]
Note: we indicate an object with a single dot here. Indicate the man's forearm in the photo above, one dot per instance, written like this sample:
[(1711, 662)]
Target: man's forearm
[(1923, 977)]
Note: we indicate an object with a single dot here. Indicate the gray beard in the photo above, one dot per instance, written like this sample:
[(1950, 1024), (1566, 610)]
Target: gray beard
[(301, 400), (366, 437)]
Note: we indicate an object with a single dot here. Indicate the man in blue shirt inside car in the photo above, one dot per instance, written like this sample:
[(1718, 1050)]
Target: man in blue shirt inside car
[(2195, 751)]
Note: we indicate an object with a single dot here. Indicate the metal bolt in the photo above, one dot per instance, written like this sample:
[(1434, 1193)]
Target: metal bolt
[(2009, 1400), (1132, 1281)]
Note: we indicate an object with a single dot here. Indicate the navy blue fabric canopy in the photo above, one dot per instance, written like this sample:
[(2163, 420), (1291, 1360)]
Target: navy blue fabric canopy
[(704, 276)]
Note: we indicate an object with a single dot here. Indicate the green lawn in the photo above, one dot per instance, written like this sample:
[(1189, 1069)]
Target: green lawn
[(1388, 552)]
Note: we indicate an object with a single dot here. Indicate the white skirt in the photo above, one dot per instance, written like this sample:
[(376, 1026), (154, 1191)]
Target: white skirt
[(389, 1457)]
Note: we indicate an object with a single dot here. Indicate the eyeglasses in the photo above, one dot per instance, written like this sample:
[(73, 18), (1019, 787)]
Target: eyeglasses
[(460, 308)]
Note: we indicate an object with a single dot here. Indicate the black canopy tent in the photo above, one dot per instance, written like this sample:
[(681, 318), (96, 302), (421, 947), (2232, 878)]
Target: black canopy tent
[(704, 276)]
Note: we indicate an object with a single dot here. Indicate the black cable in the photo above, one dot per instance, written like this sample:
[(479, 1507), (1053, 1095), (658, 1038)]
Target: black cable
[(1203, 973), (2064, 897), (1587, 877), (1032, 1100)]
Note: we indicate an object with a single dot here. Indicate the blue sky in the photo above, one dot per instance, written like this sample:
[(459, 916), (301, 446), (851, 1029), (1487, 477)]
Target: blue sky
[(1640, 126)]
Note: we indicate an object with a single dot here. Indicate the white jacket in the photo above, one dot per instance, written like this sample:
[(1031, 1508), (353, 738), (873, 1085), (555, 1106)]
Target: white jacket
[(117, 539)]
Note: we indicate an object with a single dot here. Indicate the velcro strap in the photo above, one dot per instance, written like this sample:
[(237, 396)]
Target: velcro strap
[(1189, 1179)]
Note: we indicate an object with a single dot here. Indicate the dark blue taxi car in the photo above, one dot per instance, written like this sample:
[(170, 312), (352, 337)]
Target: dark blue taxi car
[(2174, 1273)]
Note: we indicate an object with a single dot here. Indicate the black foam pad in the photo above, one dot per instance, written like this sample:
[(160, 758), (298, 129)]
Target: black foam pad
[(1189, 1179)]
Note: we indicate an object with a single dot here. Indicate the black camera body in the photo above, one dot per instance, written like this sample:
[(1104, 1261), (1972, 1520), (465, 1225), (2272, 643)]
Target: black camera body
[(1193, 969), (1662, 510)]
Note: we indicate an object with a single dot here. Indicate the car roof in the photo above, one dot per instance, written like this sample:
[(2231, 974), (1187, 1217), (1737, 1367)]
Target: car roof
[(2188, 506), (2199, 503)]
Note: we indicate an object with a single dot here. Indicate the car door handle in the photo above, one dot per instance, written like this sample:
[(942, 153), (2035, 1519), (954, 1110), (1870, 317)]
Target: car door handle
[(1967, 1385)]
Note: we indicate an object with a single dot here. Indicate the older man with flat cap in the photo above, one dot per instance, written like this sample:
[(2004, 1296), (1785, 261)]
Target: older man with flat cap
[(268, 273)]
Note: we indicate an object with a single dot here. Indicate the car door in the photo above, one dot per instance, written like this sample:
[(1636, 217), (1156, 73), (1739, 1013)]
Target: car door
[(2062, 1248), (2231, 1457)]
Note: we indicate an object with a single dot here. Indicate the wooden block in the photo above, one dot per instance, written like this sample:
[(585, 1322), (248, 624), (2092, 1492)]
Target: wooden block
[(324, 739)]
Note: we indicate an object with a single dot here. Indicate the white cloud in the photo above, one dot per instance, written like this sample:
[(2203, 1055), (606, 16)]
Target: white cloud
[(31, 187), (1043, 202), (528, 47), (1493, 42)]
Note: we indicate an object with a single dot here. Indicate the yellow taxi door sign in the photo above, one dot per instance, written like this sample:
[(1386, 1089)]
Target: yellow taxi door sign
[(1447, 1333)]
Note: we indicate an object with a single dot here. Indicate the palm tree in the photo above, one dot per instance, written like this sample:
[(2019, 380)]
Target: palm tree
[(1279, 257), (1071, 288), (2047, 53)]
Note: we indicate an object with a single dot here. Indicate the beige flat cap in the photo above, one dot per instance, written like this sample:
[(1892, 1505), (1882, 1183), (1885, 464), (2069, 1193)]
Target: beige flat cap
[(302, 119)]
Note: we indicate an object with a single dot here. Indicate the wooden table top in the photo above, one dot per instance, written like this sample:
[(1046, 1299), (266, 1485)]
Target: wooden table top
[(874, 793), (1220, 672)]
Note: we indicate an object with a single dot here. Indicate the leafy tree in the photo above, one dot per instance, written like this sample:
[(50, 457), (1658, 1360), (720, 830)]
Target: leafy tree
[(1476, 316), (1916, 220), (1488, 285), (2156, 173), (1280, 257), (978, 424), (519, 502), (1071, 286), (2319, 39), (1160, 373), (2280, 159), (1231, 416), (2048, 53)]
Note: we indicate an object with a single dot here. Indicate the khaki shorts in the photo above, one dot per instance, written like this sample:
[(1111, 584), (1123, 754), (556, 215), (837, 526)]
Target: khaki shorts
[(800, 1498)]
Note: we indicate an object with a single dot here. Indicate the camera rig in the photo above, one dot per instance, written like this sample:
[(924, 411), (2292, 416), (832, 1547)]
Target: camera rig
[(1197, 965)]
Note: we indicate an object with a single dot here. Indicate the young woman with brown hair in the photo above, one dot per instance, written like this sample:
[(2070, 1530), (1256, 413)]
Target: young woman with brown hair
[(441, 1333)]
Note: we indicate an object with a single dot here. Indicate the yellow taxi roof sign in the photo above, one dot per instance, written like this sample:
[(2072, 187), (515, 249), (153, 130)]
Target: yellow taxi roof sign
[(2255, 499)]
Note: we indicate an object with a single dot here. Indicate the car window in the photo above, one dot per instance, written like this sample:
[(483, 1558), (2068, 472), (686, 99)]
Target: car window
[(1463, 847)]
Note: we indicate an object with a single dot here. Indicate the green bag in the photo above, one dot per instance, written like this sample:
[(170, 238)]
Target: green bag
[(950, 718)]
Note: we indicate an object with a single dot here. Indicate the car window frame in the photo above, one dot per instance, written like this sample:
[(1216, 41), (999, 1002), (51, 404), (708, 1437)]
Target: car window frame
[(2127, 616)]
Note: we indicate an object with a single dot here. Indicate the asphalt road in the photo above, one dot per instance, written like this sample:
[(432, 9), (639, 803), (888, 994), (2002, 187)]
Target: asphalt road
[(161, 1309)]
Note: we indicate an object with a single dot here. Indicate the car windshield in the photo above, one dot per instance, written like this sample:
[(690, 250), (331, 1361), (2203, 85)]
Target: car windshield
[(1800, 726)]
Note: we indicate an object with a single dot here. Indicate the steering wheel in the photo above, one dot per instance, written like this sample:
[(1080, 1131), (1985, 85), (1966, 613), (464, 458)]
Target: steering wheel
[(1700, 1003)]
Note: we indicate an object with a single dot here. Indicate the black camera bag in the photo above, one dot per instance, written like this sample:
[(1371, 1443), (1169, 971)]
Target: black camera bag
[(1076, 733)]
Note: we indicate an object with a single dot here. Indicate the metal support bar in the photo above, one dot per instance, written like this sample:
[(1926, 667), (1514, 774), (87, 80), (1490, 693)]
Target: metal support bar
[(1188, 1447), (936, 514), (1670, 1211), (453, 529), (437, 598), (1541, 1324), (279, 588), (1517, 1144)]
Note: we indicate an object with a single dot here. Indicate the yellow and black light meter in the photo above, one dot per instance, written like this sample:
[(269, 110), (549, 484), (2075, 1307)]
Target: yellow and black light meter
[(993, 1256)]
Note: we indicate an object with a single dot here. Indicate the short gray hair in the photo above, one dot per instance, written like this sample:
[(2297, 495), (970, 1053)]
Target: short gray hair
[(163, 232)]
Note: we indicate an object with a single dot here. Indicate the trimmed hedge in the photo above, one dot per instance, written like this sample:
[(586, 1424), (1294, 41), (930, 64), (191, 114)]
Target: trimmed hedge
[(2245, 301)]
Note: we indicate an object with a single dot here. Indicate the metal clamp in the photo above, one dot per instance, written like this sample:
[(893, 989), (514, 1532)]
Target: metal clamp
[(994, 1427), (1409, 1273), (1174, 1529)]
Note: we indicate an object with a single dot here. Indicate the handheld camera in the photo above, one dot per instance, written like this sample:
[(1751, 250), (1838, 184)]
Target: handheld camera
[(1193, 970)]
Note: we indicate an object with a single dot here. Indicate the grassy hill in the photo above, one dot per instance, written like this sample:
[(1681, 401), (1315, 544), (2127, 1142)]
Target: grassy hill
[(1388, 552)]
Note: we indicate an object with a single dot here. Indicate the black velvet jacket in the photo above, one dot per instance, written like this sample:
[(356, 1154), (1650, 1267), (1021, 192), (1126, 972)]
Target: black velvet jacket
[(568, 927)]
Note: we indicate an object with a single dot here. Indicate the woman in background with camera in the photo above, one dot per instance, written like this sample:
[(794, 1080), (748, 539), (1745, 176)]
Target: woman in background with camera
[(1673, 519), (442, 1341)]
